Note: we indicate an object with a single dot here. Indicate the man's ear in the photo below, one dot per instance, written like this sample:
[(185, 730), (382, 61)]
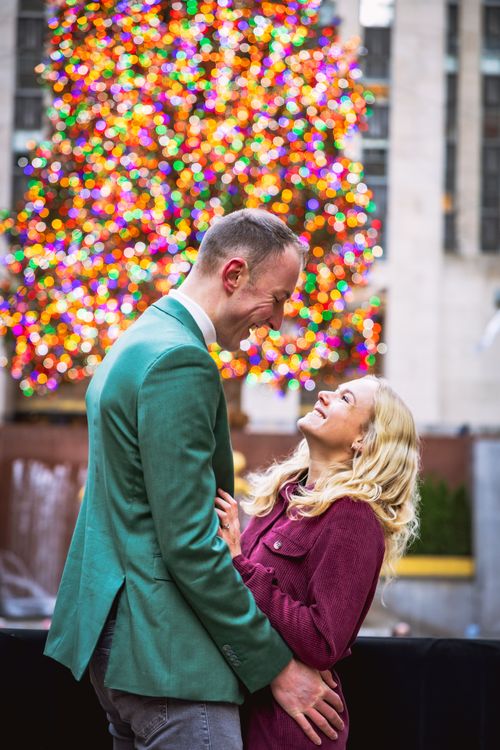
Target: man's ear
[(233, 273)]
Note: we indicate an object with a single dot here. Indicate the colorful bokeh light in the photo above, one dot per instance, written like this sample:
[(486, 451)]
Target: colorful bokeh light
[(163, 117)]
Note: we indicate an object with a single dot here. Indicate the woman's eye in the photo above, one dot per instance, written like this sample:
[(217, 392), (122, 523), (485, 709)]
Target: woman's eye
[(346, 397)]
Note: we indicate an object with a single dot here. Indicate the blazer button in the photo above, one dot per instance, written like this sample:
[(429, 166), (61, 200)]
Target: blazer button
[(278, 545)]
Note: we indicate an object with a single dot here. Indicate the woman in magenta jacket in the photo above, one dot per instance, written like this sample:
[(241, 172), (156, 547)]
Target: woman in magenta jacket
[(323, 523)]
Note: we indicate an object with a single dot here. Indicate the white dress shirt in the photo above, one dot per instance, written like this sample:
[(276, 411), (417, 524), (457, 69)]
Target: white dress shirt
[(198, 313)]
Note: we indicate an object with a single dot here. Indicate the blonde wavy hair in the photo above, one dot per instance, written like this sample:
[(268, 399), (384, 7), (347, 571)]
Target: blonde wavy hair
[(384, 473)]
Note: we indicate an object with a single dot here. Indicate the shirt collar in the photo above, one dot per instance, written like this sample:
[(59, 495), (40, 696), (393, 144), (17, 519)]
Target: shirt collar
[(198, 313)]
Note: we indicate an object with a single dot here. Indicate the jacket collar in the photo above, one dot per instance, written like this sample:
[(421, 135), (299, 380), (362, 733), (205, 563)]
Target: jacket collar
[(174, 308)]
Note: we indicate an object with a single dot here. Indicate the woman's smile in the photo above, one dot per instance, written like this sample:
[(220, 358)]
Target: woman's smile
[(318, 410)]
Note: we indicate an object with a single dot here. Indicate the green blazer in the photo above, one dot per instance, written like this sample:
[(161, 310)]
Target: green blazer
[(159, 447)]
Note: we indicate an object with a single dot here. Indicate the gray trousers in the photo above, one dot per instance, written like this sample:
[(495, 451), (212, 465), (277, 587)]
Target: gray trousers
[(139, 722)]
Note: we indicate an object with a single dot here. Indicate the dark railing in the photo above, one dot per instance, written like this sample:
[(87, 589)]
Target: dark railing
[(402, 694)]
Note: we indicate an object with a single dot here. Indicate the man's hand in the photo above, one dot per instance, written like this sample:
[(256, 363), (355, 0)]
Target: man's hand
[(307, 696)]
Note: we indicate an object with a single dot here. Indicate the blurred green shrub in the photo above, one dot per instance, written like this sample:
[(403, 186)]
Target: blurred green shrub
[(445, 520)]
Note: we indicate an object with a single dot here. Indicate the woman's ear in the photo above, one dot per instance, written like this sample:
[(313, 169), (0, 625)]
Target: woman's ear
[(357, 446)]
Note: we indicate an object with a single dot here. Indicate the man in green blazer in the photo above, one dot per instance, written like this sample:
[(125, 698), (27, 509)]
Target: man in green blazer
[(149, 596)]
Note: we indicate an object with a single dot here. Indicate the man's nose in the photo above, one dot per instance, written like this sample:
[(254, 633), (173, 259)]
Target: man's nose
[(276, 320)]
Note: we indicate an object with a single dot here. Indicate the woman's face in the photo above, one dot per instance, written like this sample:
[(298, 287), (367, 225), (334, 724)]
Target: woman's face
[(339, 418)]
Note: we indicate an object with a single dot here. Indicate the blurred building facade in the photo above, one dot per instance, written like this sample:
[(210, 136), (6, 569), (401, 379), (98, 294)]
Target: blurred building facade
[(432, 155)]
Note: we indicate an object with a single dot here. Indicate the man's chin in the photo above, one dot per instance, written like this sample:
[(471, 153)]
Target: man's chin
[(229, 346), (234, 344)]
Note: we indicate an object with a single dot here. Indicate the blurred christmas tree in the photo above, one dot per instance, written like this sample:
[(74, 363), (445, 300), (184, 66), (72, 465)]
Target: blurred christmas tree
[(164, 116)]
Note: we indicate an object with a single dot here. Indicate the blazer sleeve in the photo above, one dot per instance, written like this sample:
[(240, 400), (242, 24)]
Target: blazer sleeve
[(177, 407), (343, 567)]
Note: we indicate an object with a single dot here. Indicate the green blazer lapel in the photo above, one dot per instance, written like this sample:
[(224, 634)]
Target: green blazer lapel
[(174, 308)]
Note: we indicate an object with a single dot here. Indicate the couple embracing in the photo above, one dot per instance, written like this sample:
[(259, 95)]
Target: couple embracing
[(198, 637)]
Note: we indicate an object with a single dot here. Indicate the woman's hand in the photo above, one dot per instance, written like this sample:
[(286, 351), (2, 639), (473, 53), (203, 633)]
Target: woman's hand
[(226, 508)]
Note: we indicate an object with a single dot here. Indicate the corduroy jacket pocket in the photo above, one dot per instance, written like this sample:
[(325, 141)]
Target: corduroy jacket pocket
[(279, 544)]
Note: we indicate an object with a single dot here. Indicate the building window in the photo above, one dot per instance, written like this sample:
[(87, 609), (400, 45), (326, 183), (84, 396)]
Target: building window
[(30, 40), (378, 123), (491, 124), (28, 111), (375, 168), (490, 231), (378, 54), (375, 162), (490, 202), (450, 171), (37, 5), (380, 198), (20, 180), (491, 28), (452, 30), (28, 108), (450, 239), (491, 92), (491, 171), (451, 106)]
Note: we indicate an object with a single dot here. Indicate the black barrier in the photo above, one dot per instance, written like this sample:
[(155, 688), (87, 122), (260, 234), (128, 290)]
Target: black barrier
[(402, 693)]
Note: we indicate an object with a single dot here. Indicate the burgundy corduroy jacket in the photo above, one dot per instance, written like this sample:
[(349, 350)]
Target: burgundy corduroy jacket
[(315, 579)]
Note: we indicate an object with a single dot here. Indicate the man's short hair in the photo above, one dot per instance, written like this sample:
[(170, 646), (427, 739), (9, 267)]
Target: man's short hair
[(257, 234)]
